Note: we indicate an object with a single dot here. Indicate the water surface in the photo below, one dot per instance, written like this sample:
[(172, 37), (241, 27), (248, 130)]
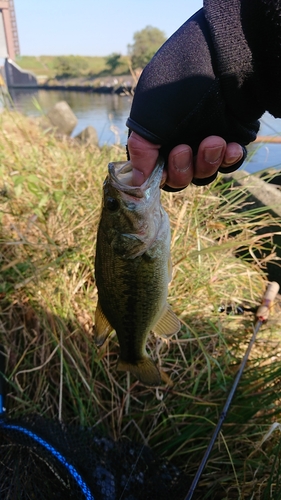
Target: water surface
[(105, 112), (108, 114)]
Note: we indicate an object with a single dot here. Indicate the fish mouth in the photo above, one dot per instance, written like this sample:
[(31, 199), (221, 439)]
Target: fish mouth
[(120, 176)]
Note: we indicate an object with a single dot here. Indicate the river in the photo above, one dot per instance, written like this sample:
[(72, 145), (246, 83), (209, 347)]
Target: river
[(108, 114)]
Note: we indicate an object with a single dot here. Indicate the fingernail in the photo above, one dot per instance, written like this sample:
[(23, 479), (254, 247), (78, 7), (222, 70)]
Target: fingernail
[(232, 160), (181, 162), (213, 155), (233, 154)]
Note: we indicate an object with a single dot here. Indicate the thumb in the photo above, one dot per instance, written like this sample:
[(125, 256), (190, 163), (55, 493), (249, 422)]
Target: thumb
[(143, 156)]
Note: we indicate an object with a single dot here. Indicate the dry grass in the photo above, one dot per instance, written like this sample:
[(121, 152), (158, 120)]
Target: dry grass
[(50, 194)]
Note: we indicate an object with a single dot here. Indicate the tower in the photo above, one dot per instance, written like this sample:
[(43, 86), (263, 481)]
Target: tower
[(9, 40)]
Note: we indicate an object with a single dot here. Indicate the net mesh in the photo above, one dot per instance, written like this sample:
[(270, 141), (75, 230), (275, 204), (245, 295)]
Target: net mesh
[(41, 459)]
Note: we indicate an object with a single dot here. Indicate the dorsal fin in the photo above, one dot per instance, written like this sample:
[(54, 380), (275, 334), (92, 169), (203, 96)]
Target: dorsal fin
[(168, 324), (102, 326)]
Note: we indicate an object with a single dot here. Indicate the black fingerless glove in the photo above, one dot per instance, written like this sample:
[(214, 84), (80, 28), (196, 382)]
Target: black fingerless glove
[(188, 91)]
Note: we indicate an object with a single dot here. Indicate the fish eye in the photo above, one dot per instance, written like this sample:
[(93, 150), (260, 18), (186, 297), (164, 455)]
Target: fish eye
[(112, 204)]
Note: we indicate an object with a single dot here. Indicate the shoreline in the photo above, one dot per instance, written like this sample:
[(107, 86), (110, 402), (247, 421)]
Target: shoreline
[(121, 85), (104, 89)]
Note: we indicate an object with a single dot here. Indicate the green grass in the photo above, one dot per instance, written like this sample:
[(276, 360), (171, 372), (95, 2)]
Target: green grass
[(96, 66), (41, 65), (50, 196)]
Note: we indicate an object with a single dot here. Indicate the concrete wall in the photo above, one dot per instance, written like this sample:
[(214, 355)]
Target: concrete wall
[(17, 77), (264, 194)]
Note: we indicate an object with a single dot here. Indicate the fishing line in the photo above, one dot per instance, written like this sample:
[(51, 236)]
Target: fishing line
[(2, 380), (156, 416), (261, 316)]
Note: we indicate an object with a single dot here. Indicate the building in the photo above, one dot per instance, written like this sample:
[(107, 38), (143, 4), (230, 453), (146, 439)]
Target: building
[(9, 49)]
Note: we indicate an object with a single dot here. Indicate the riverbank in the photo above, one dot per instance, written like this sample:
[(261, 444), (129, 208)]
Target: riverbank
[(123, 84)]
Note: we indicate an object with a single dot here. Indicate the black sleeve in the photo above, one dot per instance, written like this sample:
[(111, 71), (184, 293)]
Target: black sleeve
[(246, 36), (215, 76)]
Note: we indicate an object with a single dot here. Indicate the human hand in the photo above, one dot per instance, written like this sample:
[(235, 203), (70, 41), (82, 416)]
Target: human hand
[(198, 110), (182, 167)]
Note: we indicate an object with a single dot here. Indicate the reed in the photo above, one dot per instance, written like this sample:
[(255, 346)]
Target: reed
[(50, 196)]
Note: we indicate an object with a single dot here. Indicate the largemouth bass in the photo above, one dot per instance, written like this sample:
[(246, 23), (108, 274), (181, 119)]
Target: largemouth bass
[(133, 269)]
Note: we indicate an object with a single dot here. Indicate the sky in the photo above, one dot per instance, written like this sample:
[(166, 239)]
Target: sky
[(94, 27)]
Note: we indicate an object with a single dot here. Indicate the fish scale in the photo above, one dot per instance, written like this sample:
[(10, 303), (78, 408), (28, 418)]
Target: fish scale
[(135, 282), (133, 269)]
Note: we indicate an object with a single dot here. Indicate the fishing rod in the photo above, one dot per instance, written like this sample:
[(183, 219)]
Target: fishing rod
[(2, 381), (261, 316)]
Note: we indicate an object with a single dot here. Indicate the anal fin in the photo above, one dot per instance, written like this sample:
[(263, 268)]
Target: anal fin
[(102, 327), (165, 378)]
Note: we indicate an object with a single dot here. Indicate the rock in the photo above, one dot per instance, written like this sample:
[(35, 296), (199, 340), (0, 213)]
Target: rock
[(88, 136), (62, 118)]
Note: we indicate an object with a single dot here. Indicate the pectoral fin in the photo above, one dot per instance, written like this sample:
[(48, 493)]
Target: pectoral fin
[(168, 324), (102, 326)]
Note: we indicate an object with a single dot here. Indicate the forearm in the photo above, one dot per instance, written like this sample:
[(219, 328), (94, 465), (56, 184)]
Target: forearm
[(246, 35), (173, 86), (215, 76)]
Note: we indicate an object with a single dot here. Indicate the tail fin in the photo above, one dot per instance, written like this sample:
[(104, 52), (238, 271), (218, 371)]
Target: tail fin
[(144, 369)]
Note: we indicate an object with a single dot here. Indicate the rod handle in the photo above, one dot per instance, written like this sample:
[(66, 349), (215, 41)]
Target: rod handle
[(269, 296)]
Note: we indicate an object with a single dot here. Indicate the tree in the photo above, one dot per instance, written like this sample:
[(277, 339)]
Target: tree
[(113, 61), (70, 66), (146, 43)]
